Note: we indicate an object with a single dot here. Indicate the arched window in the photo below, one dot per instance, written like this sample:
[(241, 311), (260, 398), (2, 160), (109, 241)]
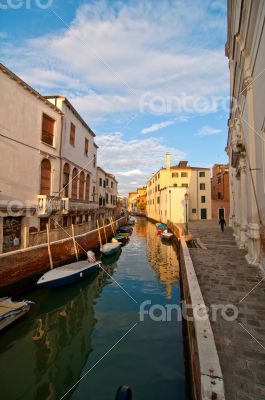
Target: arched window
[(45, 180), (66, 175), (74, 183), (81, 185), (87, 186)]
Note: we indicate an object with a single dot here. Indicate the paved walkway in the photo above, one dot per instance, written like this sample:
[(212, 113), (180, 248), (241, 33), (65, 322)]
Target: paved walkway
[(225, 277)]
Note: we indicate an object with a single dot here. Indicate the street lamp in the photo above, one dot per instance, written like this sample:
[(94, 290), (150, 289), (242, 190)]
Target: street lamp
[(186, 196)]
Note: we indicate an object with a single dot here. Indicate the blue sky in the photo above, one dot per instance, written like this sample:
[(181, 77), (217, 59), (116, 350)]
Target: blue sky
[(147, 76)]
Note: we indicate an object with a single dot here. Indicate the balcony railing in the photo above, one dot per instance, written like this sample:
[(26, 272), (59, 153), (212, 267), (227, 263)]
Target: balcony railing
[(75, 205), (48, 205)]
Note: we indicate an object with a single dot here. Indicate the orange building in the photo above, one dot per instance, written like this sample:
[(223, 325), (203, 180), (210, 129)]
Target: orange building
[(220, 191), (137, 201)]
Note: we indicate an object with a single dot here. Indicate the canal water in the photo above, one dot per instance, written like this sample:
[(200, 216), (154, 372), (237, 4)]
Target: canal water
[(84, 341)]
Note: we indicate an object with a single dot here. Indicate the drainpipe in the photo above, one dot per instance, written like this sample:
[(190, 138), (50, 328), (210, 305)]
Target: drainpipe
[(60, 155)]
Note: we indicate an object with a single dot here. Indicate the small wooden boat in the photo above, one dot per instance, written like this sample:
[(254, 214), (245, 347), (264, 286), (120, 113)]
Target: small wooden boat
[(166, 235), (161, 227), (71, 273), (125, 229), (110, 248), (122, 239), (124, 234), (10, 311)]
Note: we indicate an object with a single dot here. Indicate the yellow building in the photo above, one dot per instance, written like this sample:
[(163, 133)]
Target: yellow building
[(166, 191), (137, 201)]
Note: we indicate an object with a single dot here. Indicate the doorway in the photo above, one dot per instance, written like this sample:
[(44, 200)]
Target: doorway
[(203, 213), (221, 213)]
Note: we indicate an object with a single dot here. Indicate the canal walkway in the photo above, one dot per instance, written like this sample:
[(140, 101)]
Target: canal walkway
[(226, 278)]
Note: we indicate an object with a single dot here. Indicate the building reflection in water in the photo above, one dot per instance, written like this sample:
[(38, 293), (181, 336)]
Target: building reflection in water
[(162, 258), (58, 341)]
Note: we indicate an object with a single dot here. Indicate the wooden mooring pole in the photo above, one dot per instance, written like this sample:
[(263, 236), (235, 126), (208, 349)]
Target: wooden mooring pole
[(49, 245), (75, 246)]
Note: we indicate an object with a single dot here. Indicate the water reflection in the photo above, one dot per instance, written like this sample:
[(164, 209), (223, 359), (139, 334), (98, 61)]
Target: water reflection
[(163, 259), (57, 344)]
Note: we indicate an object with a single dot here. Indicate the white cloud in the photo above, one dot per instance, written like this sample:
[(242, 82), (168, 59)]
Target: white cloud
[(157, 127), (124, 157), (208, 131), (112, 54), (133, 172)]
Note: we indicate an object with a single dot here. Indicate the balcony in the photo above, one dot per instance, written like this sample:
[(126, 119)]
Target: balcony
[(48, 205), (76, 205)]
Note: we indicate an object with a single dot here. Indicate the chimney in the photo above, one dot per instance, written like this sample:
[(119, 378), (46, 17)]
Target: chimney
[(168, 161)]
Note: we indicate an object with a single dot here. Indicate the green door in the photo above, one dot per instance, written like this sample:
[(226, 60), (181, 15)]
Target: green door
[(221, 213), (203, 213)]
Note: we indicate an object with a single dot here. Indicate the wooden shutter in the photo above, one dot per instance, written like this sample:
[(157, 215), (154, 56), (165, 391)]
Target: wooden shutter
[(86, 146), (81, 185), (72, 134), (87, 186), (47, 129), (45, 186), (74, 183)]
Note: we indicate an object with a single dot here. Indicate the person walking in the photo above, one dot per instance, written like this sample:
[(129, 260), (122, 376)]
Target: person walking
[(222, 223)]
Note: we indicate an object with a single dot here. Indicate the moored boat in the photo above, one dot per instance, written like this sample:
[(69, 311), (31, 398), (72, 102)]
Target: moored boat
[(125, 229), (122, 239), (71, 273), (110, 248), (131, 221), (10, 311), (160, 226), (166, 235)]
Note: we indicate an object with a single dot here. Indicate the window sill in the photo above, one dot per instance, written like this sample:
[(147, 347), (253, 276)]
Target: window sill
[(49, 145)]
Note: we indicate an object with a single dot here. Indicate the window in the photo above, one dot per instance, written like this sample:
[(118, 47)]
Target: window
[(74, 183), (175, 174), (104, 183), (194, 211), (73, 219), (158, 187), (81, 185), (87, 187), (184, 174), (100, 181), (158, 200), (219, 196), (203, 199), (86, 147), (45, 180), (107, 182), (202, 174), (66, 174), (47, 133), (185, 185), (72, 134), (86, 217), (65, 221), (95, 161), (111, 185), (107, 198), (202, 186)]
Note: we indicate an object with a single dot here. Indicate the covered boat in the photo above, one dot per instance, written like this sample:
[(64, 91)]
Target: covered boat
[(110, 248), (166, 235), (71, 273), (10, 310), (125, 229), (161, 227)]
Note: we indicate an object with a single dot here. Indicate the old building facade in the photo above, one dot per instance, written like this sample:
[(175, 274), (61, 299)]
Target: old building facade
[(246, 128), (107, 192), (220, 191), (137, 201), (48, 167), (166, 191)]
